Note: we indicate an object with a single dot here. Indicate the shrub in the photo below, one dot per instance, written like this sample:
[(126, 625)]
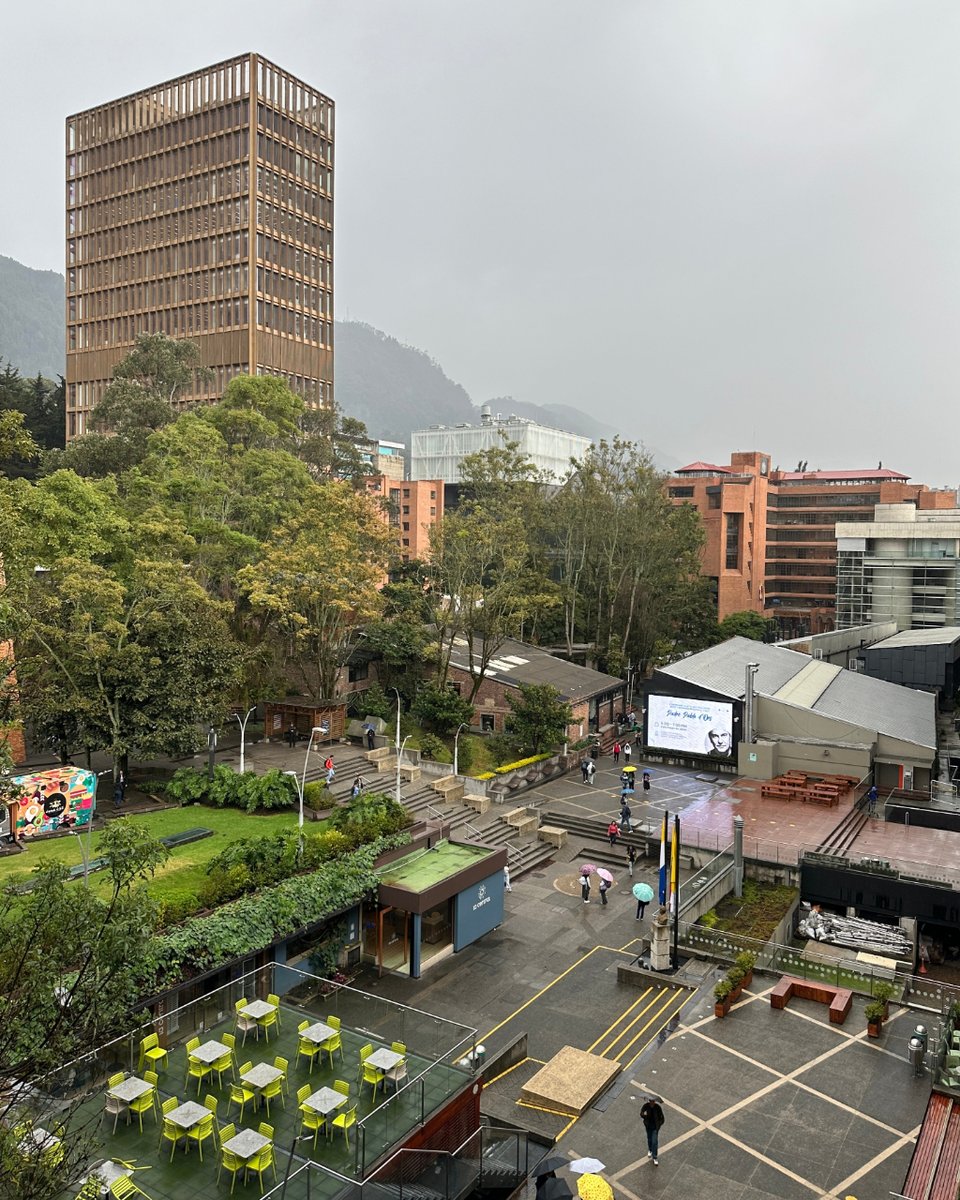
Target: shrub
[(874, 1011), (432, 747), (722, 988), (709, 918), (172, 912), (441, 709), (522, 762), (735, 975), (502, 746), (315, 795), (230, 789), (746, 960), (882, 991), (375, 702), (466, 754)]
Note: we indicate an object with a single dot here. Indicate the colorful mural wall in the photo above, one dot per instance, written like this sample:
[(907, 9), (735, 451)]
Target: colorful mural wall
[(61, 799)]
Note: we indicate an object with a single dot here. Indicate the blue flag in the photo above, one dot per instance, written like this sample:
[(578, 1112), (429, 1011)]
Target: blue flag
[(663, 861)]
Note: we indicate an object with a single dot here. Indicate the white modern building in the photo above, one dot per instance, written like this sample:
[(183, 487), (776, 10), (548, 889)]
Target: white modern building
[(902, 566), (437, 452)]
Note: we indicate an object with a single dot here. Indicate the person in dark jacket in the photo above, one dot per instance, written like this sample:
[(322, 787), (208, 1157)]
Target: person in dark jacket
[(652, 1117)]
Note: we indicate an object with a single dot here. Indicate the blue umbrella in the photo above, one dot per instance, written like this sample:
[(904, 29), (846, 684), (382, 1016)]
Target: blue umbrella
[(643, 892)]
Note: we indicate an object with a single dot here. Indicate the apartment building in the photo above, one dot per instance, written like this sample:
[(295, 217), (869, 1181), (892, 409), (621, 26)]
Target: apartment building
[(412, 508), (203, 208), (771, 543)]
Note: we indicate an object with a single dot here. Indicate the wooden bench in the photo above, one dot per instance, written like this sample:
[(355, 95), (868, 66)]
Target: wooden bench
[(554, 835), (839, 999)]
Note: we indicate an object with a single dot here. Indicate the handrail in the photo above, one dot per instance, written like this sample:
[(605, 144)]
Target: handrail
[(517, 853)]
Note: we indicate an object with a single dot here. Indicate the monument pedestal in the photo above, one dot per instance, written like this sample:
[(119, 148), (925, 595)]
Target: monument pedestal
[(660, 941)]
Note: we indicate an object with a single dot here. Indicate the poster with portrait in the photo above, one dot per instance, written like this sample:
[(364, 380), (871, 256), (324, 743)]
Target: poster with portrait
[(64, 798), (690, 726)]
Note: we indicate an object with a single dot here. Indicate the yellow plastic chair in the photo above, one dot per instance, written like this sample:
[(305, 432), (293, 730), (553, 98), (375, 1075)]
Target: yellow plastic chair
[(283, 1064), (270, 1021), (341, 1086), (333, 1022), (223, 1066), (124, 1186), (170, 1132), (116, 1107), (344, 1120), (306, 1048), (213, 1104), (152, 1052), (274, 999), (365, 1052), (245, 1024), (398, 1073), (228, 1039), (192, 1045), (146, 1102), (266, 1130), (230, 1162), (310, 1121), (261, 1161), (205, 1128), (331, 1045), (373, 1076), (398, 1048), (198, 1071), (227, 1132), (271, 1092), (240, 1093)]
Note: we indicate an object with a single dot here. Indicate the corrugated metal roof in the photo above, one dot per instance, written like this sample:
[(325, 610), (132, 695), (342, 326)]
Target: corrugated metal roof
[(807, 687), (899, 712), (722, 668), (882, 473), (516, 663), (946, 635)]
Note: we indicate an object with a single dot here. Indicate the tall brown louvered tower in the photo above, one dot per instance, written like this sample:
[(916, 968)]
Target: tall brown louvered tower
[(203, 208)]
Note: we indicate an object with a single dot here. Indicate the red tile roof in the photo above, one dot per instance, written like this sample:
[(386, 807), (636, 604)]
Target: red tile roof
[(839, 476), (704, 466)]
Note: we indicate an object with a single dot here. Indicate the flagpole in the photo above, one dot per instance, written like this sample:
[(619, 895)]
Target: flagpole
[(662, 874), (675, 874)]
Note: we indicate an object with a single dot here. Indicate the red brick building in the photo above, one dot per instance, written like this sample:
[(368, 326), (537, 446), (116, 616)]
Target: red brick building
[(594, 698), (413, 508), (771, 544)]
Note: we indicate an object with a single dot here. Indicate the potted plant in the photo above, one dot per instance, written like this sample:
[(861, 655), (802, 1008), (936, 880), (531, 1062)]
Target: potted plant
[(874, 1015), (722, 990), (746, 960), (881, 993), (735, 976)]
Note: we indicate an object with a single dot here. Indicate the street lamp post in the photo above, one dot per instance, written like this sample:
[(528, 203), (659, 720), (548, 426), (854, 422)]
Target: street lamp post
[(397, 738), (243, 730), (456, 746), (399, 758), (300, 782)]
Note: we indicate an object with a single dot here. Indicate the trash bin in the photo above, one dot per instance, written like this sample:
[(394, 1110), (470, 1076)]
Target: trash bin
[(594, 751), (915, 1049)]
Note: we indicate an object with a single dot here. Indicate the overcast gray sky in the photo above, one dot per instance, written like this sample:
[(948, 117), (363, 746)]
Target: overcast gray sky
[(734, 222)]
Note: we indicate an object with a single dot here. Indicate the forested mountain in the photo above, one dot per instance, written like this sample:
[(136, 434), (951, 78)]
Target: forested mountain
[(391, 387), (31, 319)]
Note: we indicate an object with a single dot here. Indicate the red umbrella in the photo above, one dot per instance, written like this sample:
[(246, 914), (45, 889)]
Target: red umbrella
[(604, 874)]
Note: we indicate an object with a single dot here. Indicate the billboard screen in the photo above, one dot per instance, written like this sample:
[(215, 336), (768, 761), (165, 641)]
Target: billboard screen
[(690, 726)]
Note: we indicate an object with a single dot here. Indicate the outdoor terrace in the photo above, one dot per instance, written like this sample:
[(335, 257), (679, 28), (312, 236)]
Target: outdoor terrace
[(436, 1059)]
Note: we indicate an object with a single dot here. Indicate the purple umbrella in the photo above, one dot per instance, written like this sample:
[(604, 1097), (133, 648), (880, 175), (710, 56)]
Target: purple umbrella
[(588, 869)]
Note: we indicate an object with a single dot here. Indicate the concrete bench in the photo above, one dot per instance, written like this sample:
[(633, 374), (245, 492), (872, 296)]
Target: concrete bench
[(840, 1000), (522, 820), (554, 835), (479, 804)]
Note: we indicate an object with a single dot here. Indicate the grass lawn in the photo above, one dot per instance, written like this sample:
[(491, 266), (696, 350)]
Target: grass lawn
[(186, 867)]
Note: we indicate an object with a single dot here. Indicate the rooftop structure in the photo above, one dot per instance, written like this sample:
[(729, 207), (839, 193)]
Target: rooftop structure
[(202, 208), (437, 452)]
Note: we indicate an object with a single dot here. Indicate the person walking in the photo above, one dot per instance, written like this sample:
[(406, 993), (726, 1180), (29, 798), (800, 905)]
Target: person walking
[(585, 770), (370, 737), (604, 888), (506, 878), (625, 814), (631, 859), (872, 797), (591, 771), (652, 1117), (613, 832), (646, 781), (357, 787), (329, 768), (641, 907), (585, 888), (616, 753), (627, 751)]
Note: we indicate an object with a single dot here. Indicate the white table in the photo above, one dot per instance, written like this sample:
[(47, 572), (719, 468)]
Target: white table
[(384, 1060), (318, 1032), (325, 1101), (38, 1138), (131, 1089), (188, 1115), (108, 1172), (246, 1143), (209, 1053), (258, 1009)]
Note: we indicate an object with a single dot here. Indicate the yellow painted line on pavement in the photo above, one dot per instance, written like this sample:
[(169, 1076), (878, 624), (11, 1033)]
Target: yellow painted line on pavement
[(623, 1033), (539, 1108), (536, 996), (491, 1082), (626, 1013), (684, 1001)]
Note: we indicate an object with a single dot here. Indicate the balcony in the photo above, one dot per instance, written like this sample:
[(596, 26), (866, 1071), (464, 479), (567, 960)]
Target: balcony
[(439, 1069)]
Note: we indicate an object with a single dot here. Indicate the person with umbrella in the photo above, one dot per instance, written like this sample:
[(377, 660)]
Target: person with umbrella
[(585, 873), (592, 1187), (646, 781), (643, 894), (606, 879), (652, 1117)]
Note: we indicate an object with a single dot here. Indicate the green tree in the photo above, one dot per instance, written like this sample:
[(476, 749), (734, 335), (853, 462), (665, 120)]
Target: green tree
[(540, 717), (441, 709), (746, 624), (73, 965), (318, 581), (122, 664), (147, 385)]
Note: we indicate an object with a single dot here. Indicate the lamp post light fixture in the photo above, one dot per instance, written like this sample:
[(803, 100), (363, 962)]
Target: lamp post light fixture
[(399, 759), (299, 786), (456, 746), (396, 741), (243, 729)]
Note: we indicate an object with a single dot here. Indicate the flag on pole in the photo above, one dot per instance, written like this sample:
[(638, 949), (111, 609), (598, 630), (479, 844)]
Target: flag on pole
[(663, 860), (675, 864)]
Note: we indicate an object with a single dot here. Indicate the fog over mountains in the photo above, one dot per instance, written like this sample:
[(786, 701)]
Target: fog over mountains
[(391, 387)]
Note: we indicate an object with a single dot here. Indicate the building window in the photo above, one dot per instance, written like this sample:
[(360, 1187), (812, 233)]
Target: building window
[(713, 498), (681, 493), (406, 527), (734, 522), (358, 672), (488, 723)]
